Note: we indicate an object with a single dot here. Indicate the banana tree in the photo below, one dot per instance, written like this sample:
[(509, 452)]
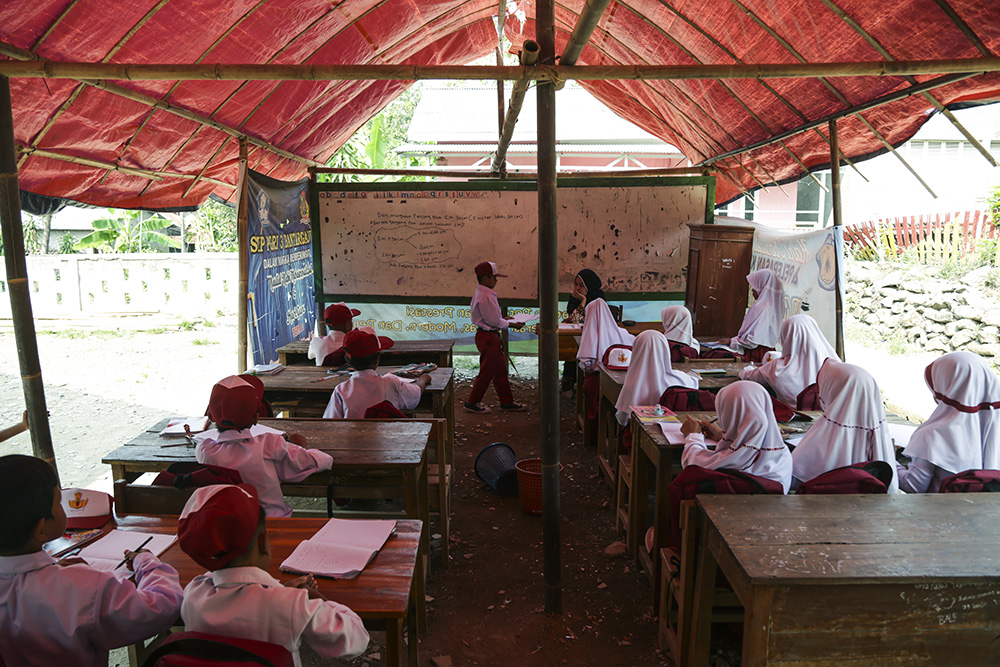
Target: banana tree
[(129, 234)]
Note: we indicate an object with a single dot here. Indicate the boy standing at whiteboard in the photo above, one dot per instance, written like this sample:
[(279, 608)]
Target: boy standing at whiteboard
[(489, 321)]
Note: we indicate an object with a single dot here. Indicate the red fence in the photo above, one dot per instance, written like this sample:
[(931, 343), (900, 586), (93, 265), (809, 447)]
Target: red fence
[(941, 235)]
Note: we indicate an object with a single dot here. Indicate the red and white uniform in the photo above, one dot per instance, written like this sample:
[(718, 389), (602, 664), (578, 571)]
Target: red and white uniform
[(364, 389), (751, 440), (73, 615), (600, 331), (487, 317), (249, 603), (763, 319), (263, 461), (803, 351), (649, 374), (321, 346), (677, 326)]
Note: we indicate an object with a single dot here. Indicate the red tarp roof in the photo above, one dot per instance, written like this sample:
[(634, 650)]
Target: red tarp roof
[(313, 119)]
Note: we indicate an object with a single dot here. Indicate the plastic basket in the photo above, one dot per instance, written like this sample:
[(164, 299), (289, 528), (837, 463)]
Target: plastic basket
[(495, 466), (529, 482)]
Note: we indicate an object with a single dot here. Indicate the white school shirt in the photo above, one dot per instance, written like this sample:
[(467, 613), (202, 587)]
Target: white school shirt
[(751, 440), (73, 615), (263, 461), (485, 310), (761, 324), (249, 603), (803, 351), (321, 346), (649, 374), (364, 389), (852, 429), (600, 331)]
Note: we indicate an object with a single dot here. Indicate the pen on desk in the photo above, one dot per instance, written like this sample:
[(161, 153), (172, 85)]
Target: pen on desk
[(125, 560)]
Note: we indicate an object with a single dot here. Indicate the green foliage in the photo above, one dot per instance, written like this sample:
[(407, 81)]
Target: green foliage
[(208, 324), (32, 235), (214, 230), (203, 341), (993, 205), (128, 233), (187, 326), (66, 244)]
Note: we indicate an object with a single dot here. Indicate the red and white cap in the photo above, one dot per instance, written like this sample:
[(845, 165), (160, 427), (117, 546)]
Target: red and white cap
[(217, 523), (233, 403), (363, 342), (489, 269), (339, 313)]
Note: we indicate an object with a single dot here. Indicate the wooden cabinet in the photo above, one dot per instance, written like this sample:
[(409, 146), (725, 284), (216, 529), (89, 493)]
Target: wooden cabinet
[(717, 289)]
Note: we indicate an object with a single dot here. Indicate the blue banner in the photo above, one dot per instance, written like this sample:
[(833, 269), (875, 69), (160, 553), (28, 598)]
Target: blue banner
[(280, 288)]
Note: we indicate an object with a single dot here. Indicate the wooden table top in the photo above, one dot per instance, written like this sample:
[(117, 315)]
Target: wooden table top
[(846, 539), (314, 379), (356, 444), (398, 346), (382, 590), (707, 382), (790, 429)]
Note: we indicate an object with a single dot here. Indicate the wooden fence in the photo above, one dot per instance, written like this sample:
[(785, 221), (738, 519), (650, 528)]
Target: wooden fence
[(939, 237)]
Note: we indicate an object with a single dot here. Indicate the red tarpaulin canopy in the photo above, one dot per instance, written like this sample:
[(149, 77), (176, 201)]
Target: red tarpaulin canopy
[(168, 161)]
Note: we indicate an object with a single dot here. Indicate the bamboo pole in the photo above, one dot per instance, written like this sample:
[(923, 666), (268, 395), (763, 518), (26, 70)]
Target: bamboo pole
[(402, 72), (548, 293), (590, 15), (529, 56), (17, 283), (838, 221), (501, 110), (242, 242), (964, 27), (517, 175)]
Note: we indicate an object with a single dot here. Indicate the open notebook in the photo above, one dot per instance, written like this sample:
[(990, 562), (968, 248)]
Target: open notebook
[(672, 432), (341, 548), (106, 553)]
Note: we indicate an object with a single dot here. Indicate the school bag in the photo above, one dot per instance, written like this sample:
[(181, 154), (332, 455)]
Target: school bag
[(617, 357), (972, 481), (864, 477), (202, 649), (384, 410), (694, 480), (808, 398), (188, 474), (680, 399), (679, 352)]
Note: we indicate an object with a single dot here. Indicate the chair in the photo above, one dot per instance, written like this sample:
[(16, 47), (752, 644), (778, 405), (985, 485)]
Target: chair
[(198, 649), (623, 487), (616, 312), (865, 477), (131, 498), (808, 398), (14, 429)]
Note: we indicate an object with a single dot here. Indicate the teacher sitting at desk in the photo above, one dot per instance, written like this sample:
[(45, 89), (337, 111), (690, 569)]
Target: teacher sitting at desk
[(759, 332), (586, 288)]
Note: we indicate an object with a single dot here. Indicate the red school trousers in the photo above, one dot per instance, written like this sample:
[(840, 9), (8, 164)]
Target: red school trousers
[(492, 368)]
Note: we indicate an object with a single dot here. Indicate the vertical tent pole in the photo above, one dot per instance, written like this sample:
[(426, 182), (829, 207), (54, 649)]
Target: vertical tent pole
[(548, 293), (838, 221), (244, 249), (17, 283)]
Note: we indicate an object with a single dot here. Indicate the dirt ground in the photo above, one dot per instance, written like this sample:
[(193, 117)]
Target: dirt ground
[(487, 606)]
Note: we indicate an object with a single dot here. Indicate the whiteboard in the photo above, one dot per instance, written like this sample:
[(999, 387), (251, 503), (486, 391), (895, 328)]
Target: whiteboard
[(406, 241)]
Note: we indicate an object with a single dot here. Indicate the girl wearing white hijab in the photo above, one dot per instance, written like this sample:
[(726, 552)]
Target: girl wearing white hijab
[(600, 331), (803, 351), (853, 427), (963, 432), (763, 319), (678, 329), (748, 436), (649, 374)]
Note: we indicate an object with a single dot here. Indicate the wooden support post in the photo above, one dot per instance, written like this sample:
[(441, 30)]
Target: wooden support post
[(838, 221), (529, 56), (548, 293), (242, 242), (17, 284)]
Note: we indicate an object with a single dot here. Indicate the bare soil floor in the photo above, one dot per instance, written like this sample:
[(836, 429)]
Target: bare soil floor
[(487, 606)]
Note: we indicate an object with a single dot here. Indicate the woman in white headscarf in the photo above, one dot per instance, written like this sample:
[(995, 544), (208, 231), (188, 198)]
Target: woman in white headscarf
[(678, 329), (759, 332), (600, 331), (963, 432), (748, 436), (803, 351), (649, 374), (852, 429)]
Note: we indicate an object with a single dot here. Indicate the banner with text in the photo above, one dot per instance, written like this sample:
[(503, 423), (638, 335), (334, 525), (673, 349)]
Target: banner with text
[(280, 287)]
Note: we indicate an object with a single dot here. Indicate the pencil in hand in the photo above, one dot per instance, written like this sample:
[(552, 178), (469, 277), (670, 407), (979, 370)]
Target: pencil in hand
[(126, 559)]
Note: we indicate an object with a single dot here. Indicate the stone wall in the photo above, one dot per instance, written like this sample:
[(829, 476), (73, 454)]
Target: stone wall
[(912, 304)]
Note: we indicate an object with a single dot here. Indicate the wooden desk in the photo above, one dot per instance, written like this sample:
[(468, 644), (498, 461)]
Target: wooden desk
[(569, 335), (607, 425), (402, 352), (713, 383), (386, 594), (859, 579)]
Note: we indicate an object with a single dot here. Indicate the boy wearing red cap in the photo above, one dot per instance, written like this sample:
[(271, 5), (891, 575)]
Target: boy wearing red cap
[(70, 615), (263, 457), (366, 387), (489, 321), (222, 529), (339, 319)]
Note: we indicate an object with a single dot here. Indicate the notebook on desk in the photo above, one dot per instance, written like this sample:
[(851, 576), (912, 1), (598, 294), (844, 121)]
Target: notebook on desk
[(340, 549)]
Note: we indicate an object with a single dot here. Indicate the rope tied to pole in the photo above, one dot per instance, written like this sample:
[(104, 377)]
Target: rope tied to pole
[(550, 74)]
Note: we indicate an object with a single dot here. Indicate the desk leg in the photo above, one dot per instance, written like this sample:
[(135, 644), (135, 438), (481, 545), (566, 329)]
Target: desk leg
[(756, 619), (661, 515), (416, 508), (637, 502), (413, 645), (701, 614), (394, 642)]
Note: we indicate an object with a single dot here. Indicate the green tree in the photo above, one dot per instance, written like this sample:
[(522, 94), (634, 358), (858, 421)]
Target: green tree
[(66, 244), (993, 205), (130, 233), (214, 230)]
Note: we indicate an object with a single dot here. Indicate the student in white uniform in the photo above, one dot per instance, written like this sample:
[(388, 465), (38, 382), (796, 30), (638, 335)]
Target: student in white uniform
[(262, 456), (963, 432), (649, 374), (803, 351), (748, 436), (222, 529), (679, 330), (759, 332), (853, 427), (339, 320), (57, 613), (600, 331), (366, 387)]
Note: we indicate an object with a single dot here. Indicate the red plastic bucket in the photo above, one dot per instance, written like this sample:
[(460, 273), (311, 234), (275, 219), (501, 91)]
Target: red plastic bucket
[(529, 484)]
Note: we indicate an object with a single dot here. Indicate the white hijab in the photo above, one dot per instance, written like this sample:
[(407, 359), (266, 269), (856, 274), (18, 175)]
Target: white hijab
[(760, 325), (600, 331), (853, 428), (751, 440), (649, 374), (677, 326), (803, 351), (963, 432)]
